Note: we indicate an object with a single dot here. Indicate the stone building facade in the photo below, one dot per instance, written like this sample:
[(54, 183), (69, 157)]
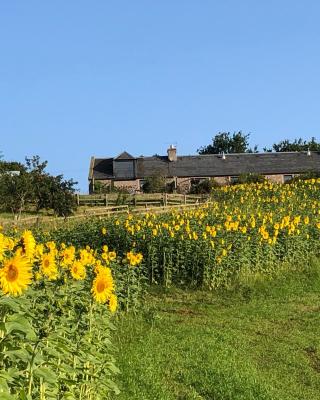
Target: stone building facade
[(129, 173)]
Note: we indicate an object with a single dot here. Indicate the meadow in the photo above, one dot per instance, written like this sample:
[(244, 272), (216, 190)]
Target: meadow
[(72, 297)]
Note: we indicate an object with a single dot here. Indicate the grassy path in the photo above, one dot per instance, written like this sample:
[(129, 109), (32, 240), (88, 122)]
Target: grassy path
[(259, 342)]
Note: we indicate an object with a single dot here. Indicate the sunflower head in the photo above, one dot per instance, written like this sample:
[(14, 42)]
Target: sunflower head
[(48, 266), (16, 275), (102, 286), (78, 270)]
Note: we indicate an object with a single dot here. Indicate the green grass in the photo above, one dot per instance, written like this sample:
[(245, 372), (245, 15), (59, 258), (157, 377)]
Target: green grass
[(258, 341)]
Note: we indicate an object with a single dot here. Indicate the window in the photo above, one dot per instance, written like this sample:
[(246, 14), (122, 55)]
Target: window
[(234, 179), (287, 178)]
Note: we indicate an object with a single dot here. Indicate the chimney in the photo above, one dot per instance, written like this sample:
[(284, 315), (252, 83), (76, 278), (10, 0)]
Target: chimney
[(172, 153)]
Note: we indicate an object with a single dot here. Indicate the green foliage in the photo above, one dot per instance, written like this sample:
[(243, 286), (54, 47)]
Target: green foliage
[(6, 166), (306, 176), (238, 142), (243, 229), (296, 145), (34, 186), (251, 178), (154, 184), (258, 341), (203, 187), (15, 192), (55, 344)]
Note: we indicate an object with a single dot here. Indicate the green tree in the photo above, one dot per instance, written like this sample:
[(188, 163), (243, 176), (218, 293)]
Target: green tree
[(30, 184), (62, 197), (226, 142), (16, 191), (296, 145)]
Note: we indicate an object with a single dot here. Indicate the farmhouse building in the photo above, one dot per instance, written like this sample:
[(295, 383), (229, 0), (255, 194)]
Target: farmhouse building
[(128, 172)]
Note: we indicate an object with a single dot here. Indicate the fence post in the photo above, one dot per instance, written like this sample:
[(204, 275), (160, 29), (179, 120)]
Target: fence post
[(106, 200), (185, 199), (78, 199), (165, 199)]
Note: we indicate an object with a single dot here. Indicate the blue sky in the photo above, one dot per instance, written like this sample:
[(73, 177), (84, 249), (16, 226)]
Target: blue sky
[(81, 78)]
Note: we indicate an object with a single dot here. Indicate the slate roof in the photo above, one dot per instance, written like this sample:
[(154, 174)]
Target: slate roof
[(103, 168), (215, 165), (124, 156)]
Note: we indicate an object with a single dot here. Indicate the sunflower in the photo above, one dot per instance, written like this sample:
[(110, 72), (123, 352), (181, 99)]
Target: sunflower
[(2, 246), (29, 244), (68, 255), (78, 270), (102, 286), (113, 303), (48, 266), (16, 275)]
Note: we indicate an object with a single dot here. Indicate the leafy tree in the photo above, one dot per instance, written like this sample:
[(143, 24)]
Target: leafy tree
[(296, 145), (15, 192), (62, 197), (41, 182), (226, 142), (6, 166), (33, 185)]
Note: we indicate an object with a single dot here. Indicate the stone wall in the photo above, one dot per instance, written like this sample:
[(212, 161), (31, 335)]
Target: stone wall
[(130, 186), (222, 180), (275, 178), (183, 185)]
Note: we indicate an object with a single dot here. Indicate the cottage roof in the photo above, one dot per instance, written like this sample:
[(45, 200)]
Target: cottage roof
[(124, 156), (216, 165)]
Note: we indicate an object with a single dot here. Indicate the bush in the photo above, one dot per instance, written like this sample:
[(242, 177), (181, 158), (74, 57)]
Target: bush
[(250, 178), (154, 184), (203, 187)]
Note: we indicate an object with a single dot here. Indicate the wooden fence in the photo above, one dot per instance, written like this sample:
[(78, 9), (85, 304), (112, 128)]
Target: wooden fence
[(138, 200), (93, 212)]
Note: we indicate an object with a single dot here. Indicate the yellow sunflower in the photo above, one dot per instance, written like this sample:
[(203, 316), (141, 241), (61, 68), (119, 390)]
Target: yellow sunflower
[(78, 270), (102, 286), (48, 266), (16, 275), (68, 256), (29, 244)]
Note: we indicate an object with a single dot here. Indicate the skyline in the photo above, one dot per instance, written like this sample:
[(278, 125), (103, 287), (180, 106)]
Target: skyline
[(78, 81)]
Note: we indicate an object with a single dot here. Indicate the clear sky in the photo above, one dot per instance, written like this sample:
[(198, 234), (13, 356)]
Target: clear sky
[(81, 78)]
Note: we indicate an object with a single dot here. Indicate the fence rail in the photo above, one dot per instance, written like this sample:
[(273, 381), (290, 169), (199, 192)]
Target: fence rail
[(98, 212), (162, 199)]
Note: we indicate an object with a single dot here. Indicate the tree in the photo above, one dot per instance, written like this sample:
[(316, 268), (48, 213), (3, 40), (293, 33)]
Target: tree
[(41, 182), (296, 145), (21, 185), (226, 142), (15, 192), (62, 197)]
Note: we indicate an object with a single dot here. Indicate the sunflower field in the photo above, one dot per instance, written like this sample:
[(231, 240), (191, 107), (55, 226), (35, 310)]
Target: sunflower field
[(56, 306), (246, 229), (60, 290)]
